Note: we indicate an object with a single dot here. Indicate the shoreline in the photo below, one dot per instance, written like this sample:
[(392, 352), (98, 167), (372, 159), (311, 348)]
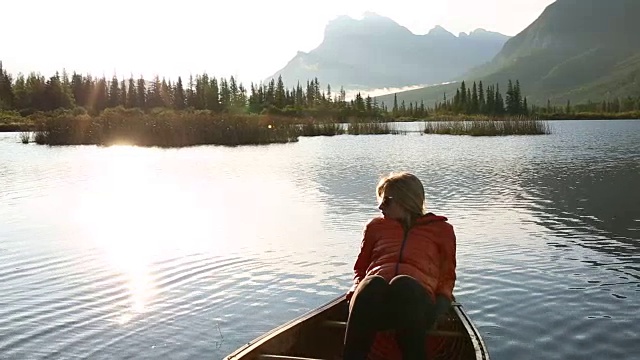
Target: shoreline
[(30, 126)]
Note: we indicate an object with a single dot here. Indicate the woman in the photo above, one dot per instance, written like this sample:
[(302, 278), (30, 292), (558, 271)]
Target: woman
[(404, 274)]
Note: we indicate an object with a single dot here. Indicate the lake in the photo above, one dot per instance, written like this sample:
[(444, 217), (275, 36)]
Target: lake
[(145, 253)]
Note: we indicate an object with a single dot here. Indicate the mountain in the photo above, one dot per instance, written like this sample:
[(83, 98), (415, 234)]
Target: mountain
[(377, 52), (577, 50)]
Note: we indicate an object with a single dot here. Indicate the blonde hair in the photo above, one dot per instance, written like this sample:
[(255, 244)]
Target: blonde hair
[(406, 189)]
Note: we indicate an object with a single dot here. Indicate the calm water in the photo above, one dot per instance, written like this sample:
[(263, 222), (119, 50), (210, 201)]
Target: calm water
[(145, 253)]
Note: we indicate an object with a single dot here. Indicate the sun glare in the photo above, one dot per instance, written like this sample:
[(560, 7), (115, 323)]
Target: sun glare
[(138, 218)]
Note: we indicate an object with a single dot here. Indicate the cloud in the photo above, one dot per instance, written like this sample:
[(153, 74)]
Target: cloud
[(351, 94)]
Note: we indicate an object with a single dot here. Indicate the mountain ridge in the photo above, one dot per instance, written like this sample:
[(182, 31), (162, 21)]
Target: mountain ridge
[(376, 51), (577, 50)]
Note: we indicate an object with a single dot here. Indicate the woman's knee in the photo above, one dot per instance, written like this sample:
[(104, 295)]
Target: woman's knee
[(371, 285), (405, 281), (374, 279), (370, 294), (405, 290)]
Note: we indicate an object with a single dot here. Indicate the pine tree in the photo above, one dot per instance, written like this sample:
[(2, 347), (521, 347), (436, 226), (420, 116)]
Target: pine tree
[(499, 103), (123, 94), (474, 99), (457, 102), (190, 94), (225, 95), (270, 93), (21, 95), (298, 97), (154, 98), (343, 96), (141, 95), (213, 96), (316, 91), (166, 93), (179, 95), (463, 96), (78, 90), (279, 94), (241, 99), (490, 107), (233, 93), (481, 98), (132, 94), (395, 105), (102, 95), (359, 103), (114, 93), (510, 99), (7, 98), (520, 109)]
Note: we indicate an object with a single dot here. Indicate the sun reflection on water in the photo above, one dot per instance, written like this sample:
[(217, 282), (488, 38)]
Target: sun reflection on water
[(141, 291), (137, 219)]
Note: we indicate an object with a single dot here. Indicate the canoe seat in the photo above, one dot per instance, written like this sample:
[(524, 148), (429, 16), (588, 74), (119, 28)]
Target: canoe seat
[(442, 333), (283, 357)]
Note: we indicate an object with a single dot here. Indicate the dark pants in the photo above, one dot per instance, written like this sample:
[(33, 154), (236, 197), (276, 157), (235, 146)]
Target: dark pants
[(402, 305)]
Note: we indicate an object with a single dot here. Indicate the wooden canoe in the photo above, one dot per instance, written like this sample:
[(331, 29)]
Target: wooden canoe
[(319, 334)]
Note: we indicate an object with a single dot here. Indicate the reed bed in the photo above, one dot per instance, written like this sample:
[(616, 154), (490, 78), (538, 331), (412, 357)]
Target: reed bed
[(25, 137), (313, 128), (168, 128), (370, 128), (163, 129), (489, 127)]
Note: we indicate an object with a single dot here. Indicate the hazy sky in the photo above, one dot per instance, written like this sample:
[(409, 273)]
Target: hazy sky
[(250, 39)]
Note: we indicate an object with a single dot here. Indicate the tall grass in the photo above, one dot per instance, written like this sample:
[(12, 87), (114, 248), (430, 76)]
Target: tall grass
[(370, 128), (163, 128), (313, 128), (25, 137), (168, 128), (488, 127)]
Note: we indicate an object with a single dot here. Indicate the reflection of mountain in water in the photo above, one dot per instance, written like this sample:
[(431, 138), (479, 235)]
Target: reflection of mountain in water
[(592, 201)]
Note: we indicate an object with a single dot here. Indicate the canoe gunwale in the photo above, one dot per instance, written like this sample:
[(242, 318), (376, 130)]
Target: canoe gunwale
[(257, 342), (474, 335)]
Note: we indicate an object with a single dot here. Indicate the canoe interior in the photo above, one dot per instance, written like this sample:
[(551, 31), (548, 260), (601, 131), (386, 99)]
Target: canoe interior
[(319, 334)]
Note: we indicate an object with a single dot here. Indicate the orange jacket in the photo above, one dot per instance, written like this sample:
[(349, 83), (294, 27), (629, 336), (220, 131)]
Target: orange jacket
[(427, 252)]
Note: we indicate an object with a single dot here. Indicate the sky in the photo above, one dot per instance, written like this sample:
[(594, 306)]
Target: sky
[(248, 39)]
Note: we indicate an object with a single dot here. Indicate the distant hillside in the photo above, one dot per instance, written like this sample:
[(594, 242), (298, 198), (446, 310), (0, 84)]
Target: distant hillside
[(377, 52), (577, 49)]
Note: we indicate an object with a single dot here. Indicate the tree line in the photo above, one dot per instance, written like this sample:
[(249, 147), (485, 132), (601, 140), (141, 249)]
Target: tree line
[(477, 99), (34, 92)]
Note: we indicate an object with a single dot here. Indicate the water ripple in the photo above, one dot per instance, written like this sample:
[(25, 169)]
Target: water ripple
[(251, 237)]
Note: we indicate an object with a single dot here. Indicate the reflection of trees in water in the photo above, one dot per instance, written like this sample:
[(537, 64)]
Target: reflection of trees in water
[(595, 205)]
